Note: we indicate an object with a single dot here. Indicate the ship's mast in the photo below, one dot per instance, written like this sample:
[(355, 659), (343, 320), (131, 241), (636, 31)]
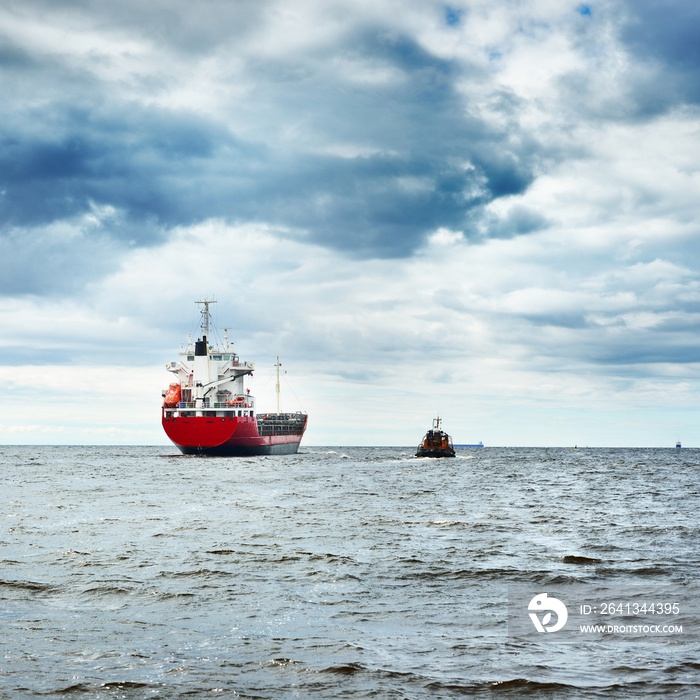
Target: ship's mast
[(277, 386), (206, 315)]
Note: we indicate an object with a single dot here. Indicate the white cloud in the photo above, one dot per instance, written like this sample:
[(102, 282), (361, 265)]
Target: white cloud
[(460, 329), (83, 404)]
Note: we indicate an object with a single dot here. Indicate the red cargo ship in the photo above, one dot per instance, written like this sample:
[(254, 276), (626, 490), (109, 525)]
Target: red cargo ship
[(208, 410)]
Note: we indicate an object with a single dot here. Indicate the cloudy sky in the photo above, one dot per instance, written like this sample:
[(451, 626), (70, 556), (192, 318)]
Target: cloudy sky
[(488, 209)]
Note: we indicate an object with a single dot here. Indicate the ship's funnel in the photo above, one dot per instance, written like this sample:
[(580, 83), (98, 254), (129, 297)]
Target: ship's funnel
[(200, 347)]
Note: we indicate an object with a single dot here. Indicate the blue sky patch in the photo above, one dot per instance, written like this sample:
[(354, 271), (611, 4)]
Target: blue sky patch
[(453, 16)]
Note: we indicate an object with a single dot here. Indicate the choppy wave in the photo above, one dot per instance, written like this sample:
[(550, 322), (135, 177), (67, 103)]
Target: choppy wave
[(338, 572)]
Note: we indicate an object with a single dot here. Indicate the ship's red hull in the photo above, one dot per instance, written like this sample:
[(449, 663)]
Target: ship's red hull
[(227, 436)]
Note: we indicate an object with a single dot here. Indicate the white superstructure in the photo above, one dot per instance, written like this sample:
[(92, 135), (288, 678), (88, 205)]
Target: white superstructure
[(211, 378)]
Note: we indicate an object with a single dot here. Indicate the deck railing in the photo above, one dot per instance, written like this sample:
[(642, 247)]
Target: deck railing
[(268, 423), (281, 423), (208, 405)]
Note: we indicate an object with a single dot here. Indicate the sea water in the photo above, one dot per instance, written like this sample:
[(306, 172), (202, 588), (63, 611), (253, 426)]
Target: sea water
[(134, 572)]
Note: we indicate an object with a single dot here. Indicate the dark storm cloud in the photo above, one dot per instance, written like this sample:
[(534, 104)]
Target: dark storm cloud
[(667, 33), (13, 57), (137, 161), (432, 163), (518, 221), (645, 348), (649, 69), (44, 262), (662, 39), (417, 154)]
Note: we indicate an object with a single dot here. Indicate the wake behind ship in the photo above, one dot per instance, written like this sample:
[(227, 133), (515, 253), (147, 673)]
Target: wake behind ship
[(208, 410)]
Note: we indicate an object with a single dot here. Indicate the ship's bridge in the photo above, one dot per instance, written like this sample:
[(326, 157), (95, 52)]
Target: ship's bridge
[(211, 382)]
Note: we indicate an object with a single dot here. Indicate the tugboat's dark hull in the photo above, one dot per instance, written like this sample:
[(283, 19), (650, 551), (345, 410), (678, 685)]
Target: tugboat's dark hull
[(435, 453)]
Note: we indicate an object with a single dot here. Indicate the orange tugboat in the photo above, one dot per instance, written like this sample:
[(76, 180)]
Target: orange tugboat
[(436, 443)]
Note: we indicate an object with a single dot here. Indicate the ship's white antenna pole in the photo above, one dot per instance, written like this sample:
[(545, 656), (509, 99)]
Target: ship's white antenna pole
[(206, 316), (277, 386)]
